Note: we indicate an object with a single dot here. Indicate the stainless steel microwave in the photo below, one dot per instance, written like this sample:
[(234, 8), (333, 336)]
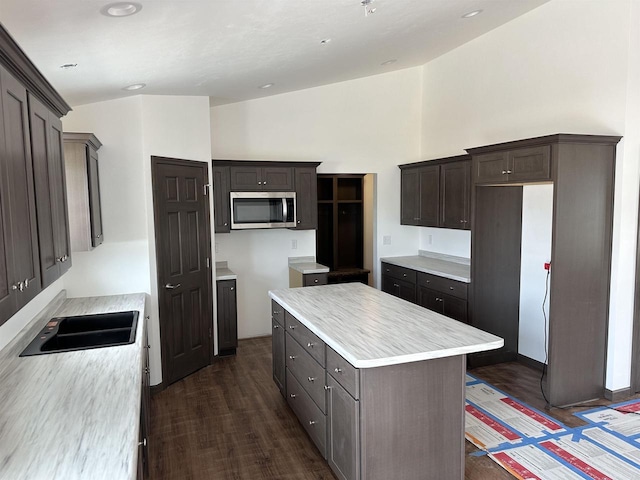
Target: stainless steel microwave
[(263, 210)]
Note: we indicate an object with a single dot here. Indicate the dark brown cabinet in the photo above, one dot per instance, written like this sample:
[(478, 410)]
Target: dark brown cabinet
[(277, 345), (447, 305), (314, 279), (145, 411), (227, 317), (83, 190), (251, 179), (51, 195), (531, 164), (221, 189), (306, 198), (20, 279), (343, 431), (399, 282), (436, 193)]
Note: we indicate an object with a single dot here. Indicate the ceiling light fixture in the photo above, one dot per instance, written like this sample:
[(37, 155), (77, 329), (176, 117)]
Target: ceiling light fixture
[(324, 41), (135, 86), (68, 66), (472, 14), (267, 85), (121, 9), (368, 10), (389, 62)]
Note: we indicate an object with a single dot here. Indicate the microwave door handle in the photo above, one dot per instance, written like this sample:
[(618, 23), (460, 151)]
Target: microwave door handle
[(284, 209)]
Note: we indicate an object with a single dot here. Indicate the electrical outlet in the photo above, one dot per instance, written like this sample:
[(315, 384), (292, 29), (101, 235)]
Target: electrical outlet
[(216, 248), (294, 244), (430, 239), (386, 240)]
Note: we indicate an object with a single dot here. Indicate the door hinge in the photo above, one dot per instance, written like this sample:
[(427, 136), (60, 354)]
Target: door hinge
[(208, 263), (206, 187)]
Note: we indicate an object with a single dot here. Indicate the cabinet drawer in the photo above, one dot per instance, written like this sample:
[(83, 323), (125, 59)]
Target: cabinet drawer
[(344, 373), (277, 312), (309, 341), (313, 279), (310, 416), (308, 372), (444, 285), (400, 273)]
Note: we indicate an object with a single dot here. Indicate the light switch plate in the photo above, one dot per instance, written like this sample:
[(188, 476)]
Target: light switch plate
[(386, 240)]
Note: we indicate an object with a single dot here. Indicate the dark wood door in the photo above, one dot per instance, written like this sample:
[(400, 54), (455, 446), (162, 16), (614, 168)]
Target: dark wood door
[(97, 236), (277, 348), (221, 202), (51, 200), (530, 164), (227, 317), (410, 196), (306, 198), (20, 195), (429, 196), (455, 179), (276, 179), (343, 429), (182, 250)]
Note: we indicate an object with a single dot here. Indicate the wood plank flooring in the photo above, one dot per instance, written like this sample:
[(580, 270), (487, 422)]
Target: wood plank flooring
[(228, 421)]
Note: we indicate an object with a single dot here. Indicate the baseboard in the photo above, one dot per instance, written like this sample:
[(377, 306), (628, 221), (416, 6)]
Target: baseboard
[(483, 359), (156, 389), (617, 395), (530, 362)]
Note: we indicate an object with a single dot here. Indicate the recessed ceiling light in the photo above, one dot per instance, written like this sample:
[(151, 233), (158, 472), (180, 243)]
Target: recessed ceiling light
[(266, 85), (389, 62), (472, 14), (324, 41), (67, 66), (135, 86), (120, 9)]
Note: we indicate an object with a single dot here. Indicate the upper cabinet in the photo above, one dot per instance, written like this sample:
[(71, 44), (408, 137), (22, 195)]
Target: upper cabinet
[(513, 166), (253, 178), (32, 205), (436, 193), (256, 176), (83, 189), (51, 195)]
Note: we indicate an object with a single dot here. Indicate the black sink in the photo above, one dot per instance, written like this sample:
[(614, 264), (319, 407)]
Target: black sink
[(66, 334)]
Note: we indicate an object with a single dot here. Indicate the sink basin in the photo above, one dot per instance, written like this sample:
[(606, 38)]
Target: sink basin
[(66, 334)]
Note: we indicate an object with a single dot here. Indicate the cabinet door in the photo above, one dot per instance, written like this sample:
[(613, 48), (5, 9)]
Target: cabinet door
[(399, 288), (277, 179), (145, 413), (430, 299), (51, 204), (410, 196), (343, 428), (94, 198), (429, 196), (278, 354), (227, 316), (306, 198), (455, 308), (18, 175), (490, 168), (455, 186), (245, 179), (530, 164), (221, 205)]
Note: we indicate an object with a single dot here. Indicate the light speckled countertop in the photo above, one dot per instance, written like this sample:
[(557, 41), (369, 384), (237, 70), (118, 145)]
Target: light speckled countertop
[(370, 328), (306, 265), (74, 415), (223, 272), (455, 268)]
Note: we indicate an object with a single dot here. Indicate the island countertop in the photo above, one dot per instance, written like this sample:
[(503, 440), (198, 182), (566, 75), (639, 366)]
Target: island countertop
[(370, 328), (72, 415)]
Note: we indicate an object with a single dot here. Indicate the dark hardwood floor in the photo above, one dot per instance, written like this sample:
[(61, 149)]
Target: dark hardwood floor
[(228, 421)]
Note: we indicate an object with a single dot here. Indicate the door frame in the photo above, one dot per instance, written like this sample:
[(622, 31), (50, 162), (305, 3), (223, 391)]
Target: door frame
[(156, 161), (635, 337)]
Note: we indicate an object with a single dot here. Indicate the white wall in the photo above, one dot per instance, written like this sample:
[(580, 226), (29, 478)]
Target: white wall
[(555, 69), (446, 240), (131, 130), (537, 216), (369, 125)]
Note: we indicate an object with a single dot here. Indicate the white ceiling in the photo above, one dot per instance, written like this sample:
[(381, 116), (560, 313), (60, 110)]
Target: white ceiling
[(226, 49)]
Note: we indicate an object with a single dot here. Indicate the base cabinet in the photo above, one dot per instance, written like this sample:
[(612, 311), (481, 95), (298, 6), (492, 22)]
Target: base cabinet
[(343, 431), (145, 412), (227, 317), (278, 351)]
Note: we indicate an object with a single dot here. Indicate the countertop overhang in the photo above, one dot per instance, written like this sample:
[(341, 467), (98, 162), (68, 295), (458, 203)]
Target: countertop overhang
[(370, 328)]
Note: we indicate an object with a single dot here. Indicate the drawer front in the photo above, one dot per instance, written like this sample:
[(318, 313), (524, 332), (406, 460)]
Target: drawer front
[(344, 373), (310, 416), (277, 312), (444, 285), (400, 273), (308, 372), (314, 279), (309, 341)]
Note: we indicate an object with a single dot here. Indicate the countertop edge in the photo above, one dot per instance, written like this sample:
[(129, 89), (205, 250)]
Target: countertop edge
[(398, 261)]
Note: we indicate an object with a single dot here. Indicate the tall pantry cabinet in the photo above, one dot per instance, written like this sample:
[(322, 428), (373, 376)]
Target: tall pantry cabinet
[(33, 224)]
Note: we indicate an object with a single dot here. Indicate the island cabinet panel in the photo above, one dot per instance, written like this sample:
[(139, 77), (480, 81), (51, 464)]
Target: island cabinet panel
[(307, 371), (313, 420), (305, 337), (343, 431), (278, 353)]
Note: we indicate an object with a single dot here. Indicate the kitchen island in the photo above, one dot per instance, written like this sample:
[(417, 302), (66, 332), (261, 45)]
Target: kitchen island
[(377, 382)]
